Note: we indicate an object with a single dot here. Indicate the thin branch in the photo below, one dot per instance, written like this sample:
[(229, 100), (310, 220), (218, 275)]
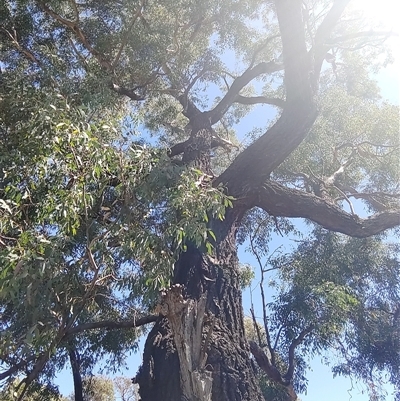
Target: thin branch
[(216, 142), (261, 47), (297, 341), (256, 327), (347, 200), (238, 84), (27, 53), (356, 35), (76, 11), (74, 27), (125, 38), (322, 35), (110, 325)]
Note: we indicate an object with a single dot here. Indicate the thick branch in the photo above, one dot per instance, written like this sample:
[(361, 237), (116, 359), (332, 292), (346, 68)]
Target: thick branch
[(294, 50), (271, 371), (126, 92), (18, 366), (252, 167), (278, 200), (76, 373), (328, 24), (265, 364)]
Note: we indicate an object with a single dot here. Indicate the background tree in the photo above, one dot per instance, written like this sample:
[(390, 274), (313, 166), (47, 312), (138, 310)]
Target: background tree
[(125, 390), (94, 223)]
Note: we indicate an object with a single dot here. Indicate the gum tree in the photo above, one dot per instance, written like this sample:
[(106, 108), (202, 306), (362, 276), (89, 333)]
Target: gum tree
[(189, 72)]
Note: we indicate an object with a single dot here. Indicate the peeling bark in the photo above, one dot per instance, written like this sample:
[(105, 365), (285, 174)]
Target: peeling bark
[(187, 320)]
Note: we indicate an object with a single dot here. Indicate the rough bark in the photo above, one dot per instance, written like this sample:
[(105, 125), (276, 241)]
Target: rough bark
[(76, 374), (227, 354)]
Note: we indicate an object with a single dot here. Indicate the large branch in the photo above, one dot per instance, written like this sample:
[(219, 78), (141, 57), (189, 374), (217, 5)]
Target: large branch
[(252, 167), (278, 200), (296, 59), (296, 342), (16, 367), (272, 372)]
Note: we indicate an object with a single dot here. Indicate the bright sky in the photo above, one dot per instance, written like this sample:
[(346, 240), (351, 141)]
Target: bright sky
[(384, 14), (321, 385)]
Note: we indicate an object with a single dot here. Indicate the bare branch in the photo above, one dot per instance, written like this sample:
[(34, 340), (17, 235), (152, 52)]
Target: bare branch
[(238, 84), (260, 100), (110, 325)]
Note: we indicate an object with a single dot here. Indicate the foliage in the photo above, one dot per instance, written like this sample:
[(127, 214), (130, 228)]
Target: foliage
[(99, 100), (87, 233), (98, 388), (37, 392)]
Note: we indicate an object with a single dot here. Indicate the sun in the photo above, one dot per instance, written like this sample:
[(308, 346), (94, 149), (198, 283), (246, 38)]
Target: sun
[(383, 13)]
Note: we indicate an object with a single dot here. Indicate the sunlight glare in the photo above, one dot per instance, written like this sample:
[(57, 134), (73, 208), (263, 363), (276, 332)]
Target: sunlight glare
[(382, 13)]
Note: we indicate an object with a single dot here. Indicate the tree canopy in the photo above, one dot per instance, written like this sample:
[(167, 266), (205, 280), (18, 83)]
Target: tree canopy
[(132, 166)]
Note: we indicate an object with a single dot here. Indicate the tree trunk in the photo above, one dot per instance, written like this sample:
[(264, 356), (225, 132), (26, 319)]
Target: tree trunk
[(76, 374), (227, 354)]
